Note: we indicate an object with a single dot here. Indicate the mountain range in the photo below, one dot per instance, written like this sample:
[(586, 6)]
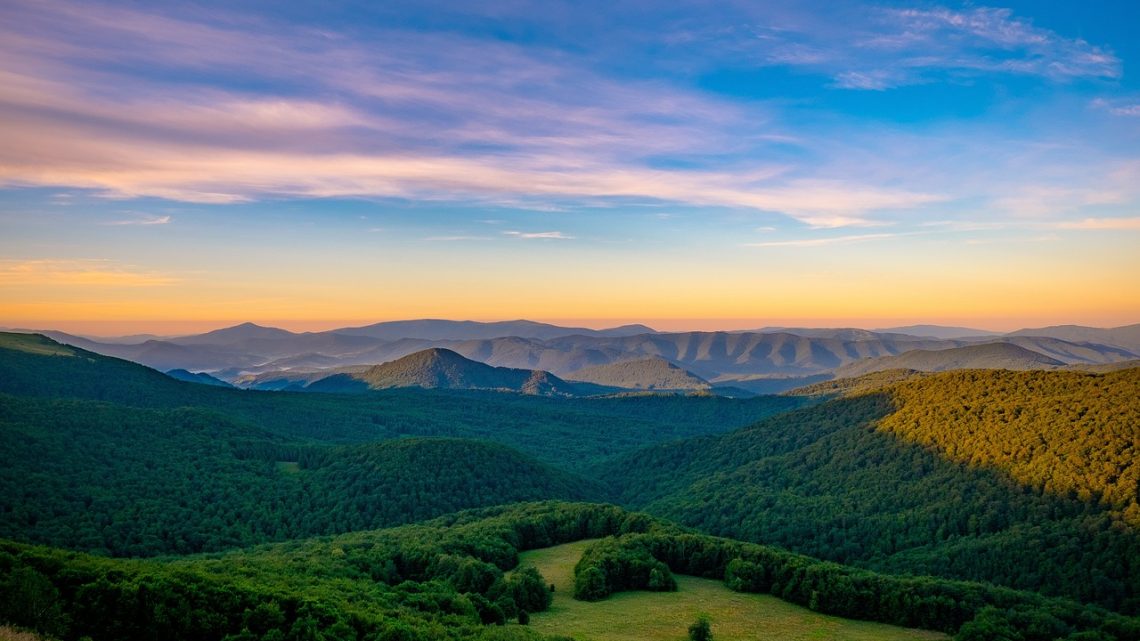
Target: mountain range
[(763, 361)]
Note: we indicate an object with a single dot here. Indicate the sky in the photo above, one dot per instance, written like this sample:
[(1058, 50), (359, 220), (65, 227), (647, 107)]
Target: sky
[(167, 167)]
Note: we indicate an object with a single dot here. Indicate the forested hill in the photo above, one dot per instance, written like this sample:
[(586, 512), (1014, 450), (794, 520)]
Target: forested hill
[(139, 482), (102, 454), (1021, 478), (568, 432)]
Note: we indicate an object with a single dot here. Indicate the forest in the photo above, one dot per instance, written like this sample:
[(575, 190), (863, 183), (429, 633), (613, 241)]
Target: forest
[(985, 504), (864, 479)]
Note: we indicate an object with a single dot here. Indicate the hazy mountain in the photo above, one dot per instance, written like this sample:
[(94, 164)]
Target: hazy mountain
[(236, 334), (645, 374), (1069, 352), (200, 377), (443, 368), (939, 331), (436, 329), (1127, 337), (985, 356), (728, 358), (1104, 368), (841, 333)]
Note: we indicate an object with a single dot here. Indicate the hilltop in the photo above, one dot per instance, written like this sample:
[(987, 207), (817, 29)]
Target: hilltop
[(644, 374), (439, 368)]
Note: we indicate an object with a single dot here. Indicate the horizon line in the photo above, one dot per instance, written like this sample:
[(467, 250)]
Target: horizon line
[(169, 328)]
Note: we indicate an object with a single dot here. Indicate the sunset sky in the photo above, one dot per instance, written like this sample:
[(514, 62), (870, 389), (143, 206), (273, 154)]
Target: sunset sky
[(167, 167)]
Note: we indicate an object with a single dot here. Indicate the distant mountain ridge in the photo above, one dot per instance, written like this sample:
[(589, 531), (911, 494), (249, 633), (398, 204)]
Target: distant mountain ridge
[(939, 331), (984, 356), (1126, 337), (766, 361), (438, 329)]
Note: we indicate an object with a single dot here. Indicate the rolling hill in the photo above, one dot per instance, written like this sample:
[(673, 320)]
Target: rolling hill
[(644, 374), (1126, 337), (137, 482), (984, 356)]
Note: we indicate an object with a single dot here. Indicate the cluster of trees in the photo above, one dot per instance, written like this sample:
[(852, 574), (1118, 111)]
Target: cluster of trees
[(607, 567), (970, 610), (843, 482)]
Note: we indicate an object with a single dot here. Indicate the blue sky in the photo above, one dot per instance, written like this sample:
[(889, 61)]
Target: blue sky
[(837, 162)]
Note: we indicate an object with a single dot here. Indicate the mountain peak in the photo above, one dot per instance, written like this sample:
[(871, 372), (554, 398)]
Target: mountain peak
[(441, 368)]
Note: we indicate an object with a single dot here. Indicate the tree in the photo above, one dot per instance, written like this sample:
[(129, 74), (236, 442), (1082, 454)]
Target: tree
[(590, 585), (701, 629)]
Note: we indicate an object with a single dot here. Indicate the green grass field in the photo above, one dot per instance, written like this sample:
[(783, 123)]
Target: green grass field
[(665, 616), (33, 344)]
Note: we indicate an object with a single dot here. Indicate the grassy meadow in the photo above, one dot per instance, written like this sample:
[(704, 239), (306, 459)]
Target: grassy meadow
[(665, 616)]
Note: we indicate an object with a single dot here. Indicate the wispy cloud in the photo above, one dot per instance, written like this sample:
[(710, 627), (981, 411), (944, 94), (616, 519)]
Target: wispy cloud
[(886, 48), (819, 242), (423, 116), (145, 219), (453, 239), (1117, 107), (557, 235), (1118, 224), (87, 273)]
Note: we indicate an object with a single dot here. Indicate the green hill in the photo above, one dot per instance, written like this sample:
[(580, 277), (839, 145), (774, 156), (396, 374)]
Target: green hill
[(1025, 479), (137, 482)]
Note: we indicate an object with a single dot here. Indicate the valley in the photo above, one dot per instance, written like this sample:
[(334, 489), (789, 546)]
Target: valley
[(1022, 479), (808, 320)]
